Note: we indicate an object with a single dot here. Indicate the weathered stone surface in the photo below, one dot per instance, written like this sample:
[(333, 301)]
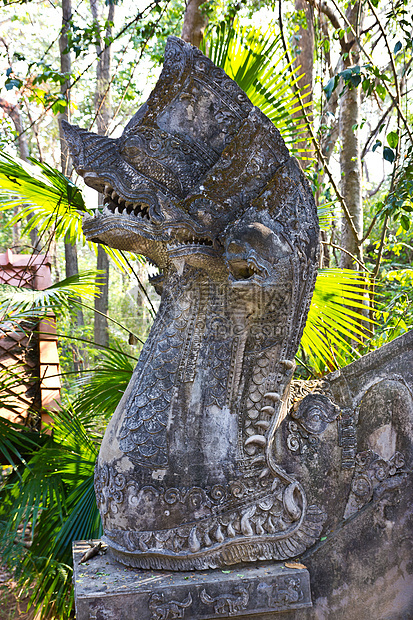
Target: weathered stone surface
[(358, 466), (208, 461), (106, 590), (202, 184)]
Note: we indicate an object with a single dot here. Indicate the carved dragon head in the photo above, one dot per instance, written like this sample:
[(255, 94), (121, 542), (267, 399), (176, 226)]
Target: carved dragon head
[(199, 176)]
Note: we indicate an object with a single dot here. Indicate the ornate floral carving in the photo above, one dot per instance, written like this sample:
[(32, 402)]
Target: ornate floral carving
[(373, 474), (109, 488), (311, 416)]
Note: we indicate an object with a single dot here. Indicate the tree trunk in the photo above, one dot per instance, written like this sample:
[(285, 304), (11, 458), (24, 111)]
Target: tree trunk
[(304, 62), (65, 68), (71, 262), (101, 331), (14, 113), (350, 160), (103, 113), (194, 23)]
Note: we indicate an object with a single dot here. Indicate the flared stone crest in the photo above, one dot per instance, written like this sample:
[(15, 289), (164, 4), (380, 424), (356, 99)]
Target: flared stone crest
[(202, 184)]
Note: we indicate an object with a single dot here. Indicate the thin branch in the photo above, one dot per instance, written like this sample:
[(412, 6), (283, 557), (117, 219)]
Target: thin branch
[(384, 82), (338, 247), (93, 344), (135, 66), (124, 29), (143, 289), (381, 247), (391, 55), (80, 303), (375, 190), (324, 8), (376, 129), (314, 139)]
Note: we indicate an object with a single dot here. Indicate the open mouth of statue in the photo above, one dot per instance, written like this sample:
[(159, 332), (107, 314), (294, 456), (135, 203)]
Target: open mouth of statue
[(186, 243), (243, 269), (118, 205)]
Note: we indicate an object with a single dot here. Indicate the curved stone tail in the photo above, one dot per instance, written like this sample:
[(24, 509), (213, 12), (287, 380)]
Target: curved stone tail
[(205, 598)]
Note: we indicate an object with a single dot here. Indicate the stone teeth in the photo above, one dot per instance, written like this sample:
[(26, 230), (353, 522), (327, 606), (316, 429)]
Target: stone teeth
[(207, 539), (289, 364), (258, 459), (258, 439), (274, 396), (108, 189), (114, 196), (263, 423), (267, 409)]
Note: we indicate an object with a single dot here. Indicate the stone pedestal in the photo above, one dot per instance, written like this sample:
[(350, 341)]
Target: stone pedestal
[(106, 590)]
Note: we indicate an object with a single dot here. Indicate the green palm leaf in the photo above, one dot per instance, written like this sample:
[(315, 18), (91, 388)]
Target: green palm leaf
[(58, 202), (54, 494), (333, 327), (101, 392), (256, 62), (17, 303), (47, 201)]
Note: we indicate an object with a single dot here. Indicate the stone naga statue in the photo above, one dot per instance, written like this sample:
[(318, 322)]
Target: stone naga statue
[(202, 184)]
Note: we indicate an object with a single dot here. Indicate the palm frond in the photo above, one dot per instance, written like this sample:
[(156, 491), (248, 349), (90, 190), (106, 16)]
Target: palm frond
[(101, 392), (44, 195), (325, 215), (47, 200), (17, 303), (54, 495), (256, 62), (18, 443), (333, 325)]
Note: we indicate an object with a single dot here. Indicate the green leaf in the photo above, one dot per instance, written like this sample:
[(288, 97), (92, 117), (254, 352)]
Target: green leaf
[(405, 222), (389, 154), (381, 91), (393, 139), (346, 74), (330, 86), (355, 80), (367, 86)]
